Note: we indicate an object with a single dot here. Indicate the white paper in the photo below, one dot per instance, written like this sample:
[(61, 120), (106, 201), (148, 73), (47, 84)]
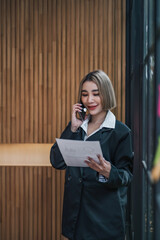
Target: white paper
[(75, 152)]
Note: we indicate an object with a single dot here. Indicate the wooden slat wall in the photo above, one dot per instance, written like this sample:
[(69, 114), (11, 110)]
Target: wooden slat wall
[(46, 47), (27, 210)]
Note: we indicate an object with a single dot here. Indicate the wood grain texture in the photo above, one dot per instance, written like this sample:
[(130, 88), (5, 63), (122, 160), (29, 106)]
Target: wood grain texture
[(46, 48), (25, 154)]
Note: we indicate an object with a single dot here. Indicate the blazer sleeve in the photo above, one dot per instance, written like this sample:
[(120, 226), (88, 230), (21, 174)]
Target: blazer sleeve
[(121, 170), (56, 157)]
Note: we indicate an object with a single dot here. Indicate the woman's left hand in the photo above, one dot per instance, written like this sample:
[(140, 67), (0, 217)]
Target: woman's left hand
[(103, 167)]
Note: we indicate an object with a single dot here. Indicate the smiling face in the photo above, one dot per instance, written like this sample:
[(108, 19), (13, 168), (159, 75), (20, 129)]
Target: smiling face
[(90, 97)]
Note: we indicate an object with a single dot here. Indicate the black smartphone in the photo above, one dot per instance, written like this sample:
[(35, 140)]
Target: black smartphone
[(83, 113)]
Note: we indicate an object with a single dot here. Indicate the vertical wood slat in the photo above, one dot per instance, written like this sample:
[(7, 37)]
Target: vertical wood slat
[(54, 66), (59, 80), (22, 73), (8, 208), (35, 201), (36, 72), (96, 35), (40, 71), (30, 204), (26, 203), (109, 39), (21, 202), (3, 47), (49, 67), (13, 204), (46, 47), (31, 74), (118, 57), (105, 35), (77, 44), (13, 72), (45, 71), (12, 69), (86, 16), (49, 203), (63, 65), (26, 71), (72, 51), (101, 32), (17, 70), (8, 68), (82, 33), (17, 205), (123, 44), (39, 204), (68, 70)]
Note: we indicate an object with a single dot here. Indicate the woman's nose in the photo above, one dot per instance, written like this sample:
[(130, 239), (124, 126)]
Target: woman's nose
[(90, 98)]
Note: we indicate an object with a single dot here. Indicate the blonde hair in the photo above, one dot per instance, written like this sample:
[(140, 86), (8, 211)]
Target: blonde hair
[(105, 88)]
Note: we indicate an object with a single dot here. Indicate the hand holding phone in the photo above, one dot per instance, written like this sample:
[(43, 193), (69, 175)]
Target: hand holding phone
[(78, 116), (82, 114)]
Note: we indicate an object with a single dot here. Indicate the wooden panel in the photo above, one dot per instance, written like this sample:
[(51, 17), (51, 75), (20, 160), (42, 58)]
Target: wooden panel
[(26, 211), (46, 47), (25, 154)]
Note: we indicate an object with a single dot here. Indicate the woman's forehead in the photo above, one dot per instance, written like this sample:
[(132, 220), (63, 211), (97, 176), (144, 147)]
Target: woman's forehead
[(90, 85)]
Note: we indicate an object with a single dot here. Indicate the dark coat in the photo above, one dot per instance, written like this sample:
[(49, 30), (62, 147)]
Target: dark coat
[(94, 210)]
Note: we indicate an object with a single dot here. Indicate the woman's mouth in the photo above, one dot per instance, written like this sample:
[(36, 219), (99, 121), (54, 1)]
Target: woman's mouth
[(92, 107)]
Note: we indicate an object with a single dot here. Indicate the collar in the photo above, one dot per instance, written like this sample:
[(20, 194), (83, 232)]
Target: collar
[(109, 122)]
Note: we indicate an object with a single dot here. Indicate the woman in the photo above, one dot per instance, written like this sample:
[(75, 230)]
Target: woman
[(95, 197)]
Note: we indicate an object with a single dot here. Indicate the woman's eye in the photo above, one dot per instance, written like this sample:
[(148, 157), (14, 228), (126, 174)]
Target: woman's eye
[(84, 95), (97, 94)]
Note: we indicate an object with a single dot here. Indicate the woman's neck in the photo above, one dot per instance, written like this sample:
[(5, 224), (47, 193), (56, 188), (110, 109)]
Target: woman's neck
[(98, 119)]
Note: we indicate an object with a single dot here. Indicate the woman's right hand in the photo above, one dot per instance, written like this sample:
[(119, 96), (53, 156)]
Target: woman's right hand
[(75, 122)]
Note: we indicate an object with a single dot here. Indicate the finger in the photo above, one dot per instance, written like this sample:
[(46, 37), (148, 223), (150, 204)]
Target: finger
[(101, 160), (93, 166), (77, 105), (76, 109), (94, 163)]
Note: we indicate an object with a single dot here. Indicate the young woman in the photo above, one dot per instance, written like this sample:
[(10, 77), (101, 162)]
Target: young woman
[(95, 197)]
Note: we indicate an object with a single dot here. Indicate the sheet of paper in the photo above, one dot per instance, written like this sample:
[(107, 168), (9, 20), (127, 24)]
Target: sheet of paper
[(75, 152)]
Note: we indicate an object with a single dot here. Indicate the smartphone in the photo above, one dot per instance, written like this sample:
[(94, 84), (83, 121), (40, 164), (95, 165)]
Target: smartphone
[(83, 113)]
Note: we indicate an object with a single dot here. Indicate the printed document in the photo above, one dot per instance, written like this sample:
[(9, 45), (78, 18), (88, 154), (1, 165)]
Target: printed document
[(75, 152)]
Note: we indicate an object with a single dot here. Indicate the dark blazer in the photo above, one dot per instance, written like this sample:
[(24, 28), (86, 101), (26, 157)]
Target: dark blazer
[(94, 210)]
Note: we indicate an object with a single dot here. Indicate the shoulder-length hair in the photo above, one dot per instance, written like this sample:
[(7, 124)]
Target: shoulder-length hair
[(105, 88)]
